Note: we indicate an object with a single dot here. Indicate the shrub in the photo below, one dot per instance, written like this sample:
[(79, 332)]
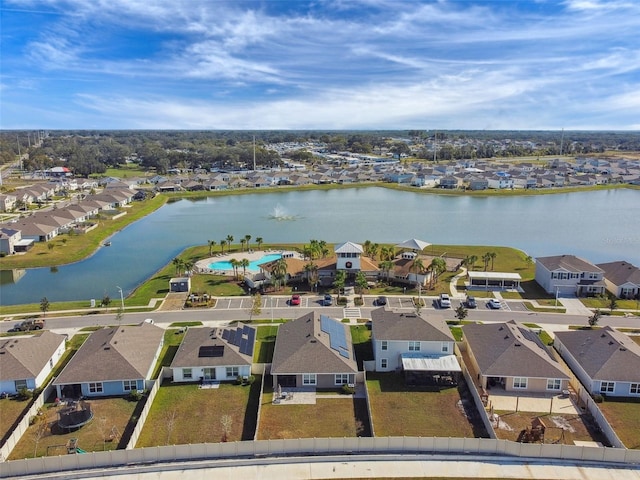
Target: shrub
[(348, 390), (239, 380), (598, 398), (134, 395), (25, 394)]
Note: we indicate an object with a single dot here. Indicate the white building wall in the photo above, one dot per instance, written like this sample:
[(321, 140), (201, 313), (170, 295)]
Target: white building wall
[(396, 348), (220, 373)]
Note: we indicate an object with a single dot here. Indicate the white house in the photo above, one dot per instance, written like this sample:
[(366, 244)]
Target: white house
[(606, 361), (26, 362), (349, 256), (418, 345), (569, 275), (621, 278)]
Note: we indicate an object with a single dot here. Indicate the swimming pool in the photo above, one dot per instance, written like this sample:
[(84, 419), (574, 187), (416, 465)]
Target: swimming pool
[(253, 267)]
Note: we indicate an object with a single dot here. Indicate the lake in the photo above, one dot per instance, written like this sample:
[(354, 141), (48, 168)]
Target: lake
[(598, 226)]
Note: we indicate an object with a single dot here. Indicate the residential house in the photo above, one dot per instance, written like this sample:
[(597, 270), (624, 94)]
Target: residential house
[(621, 278), (450, 182), (221, 354), (314, 351), (7, 202), (569, 275), (606, 361), (477, 183), (112, 361), (512, 357), (500, 181), (420, 346), (9, 237), (26, 362), (31, 229)]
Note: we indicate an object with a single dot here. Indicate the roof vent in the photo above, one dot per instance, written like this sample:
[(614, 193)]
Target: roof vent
[(314, 341), (622, 349), (603, 335), (107, 348), (518, 344), (501, 328), (506, 337)]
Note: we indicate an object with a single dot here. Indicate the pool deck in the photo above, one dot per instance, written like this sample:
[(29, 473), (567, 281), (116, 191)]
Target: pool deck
[(202, 266)]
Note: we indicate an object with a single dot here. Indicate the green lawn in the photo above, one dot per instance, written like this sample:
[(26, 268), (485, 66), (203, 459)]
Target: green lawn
[(12, 411), (363, 348), (172, 339), (398, 410), (624, 417), (531, 308), (265, 343), (329, 417), (183, 414)]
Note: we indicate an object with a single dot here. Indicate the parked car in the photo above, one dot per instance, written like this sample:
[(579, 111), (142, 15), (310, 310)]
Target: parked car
[(444, 301), (494, 304), (295, 300), (28, 325), (327, 301), (470, 302), (381, 300)]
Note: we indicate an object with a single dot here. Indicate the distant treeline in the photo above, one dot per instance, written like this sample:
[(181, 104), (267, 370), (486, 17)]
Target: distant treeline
[(87, 152)]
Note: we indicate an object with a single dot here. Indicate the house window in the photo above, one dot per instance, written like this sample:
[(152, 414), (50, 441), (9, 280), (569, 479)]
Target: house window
[(384, 345), (20, 384), (383, 363), (414, 346), (209, 373), (128, 385), (519, 382), (187, 373), (445, 348), (634, 389), (342, 378), (95, 387), (233, 372), (554, 384), (607, 387), (309, 379)]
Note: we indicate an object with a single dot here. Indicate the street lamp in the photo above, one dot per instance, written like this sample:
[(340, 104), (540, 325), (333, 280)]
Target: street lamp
[(121, 298)]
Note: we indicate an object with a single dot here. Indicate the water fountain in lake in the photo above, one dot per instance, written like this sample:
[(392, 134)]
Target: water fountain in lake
[(280, 214)]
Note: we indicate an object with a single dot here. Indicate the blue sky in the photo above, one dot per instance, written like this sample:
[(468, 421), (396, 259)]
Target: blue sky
[(341, 64)]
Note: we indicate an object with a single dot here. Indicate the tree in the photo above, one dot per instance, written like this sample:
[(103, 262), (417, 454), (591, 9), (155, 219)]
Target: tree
[(212, 243), (50, 246), (437, 266), (170, 419), (339, 281), (593, 319), (247, 238), (259, 241), (188, 265), (244, 263), (229, 241), (235, 264), (177, 262), (472, 261), (311, 271), (106, 301), (613, 303), (256, 306), (386, 267), (486, 258), (361, 282), (461, 312), (44, 306), (280, 271), (493, 256), (227, 423), (223, 243), (243, 243)]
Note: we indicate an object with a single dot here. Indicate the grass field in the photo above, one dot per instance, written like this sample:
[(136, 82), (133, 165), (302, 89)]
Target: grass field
[(398, 410), (624, 417), (172, 339), (111, 415), (12, 411), (183, 414), (329, 417), (265, 343)]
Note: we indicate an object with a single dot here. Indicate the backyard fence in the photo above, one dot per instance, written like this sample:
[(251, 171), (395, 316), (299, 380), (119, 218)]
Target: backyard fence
[(262, 449), (145, 410)]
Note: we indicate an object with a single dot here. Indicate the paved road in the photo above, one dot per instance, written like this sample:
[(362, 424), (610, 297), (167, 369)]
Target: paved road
[(237, 308)]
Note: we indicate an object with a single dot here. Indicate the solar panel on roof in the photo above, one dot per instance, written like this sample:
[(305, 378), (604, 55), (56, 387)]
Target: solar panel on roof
[(225, 334), (211, 351), (343, 353), (232, 337)]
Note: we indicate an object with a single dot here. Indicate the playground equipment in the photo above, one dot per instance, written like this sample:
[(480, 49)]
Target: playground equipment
[(72, 446), (75, 415), (533, 434)]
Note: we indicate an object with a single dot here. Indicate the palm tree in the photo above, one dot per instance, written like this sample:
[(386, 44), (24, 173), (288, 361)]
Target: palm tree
[(178, 263), (437, 266), (367, 247), (472, 261), (188, 265), (311, 270), (243, 242), (339, 281), (493, 256), (229, 241), (259, 241), (280, 271), (223, 243), (386, 267), (212, 243), (374, 250), (486, 258), (418, 267), (361, 282), (247, 238), (244, 263), (234, 263), (44, 306)]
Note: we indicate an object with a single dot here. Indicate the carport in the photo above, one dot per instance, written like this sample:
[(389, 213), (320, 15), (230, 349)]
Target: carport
[(440, 370), (499, 280)]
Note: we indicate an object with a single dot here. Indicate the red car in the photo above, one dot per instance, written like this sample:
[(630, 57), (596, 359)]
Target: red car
[(295, 300)]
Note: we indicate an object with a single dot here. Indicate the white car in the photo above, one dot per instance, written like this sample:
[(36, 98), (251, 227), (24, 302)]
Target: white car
[(494, 303), (444, 301)]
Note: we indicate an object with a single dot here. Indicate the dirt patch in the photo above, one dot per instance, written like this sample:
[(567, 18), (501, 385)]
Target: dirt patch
[(174, 301)]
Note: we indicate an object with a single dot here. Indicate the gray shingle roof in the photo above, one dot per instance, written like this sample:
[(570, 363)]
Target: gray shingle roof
[(510, 350), (393, 325), (621, 272), (604, 354), (114, 353), (302, 347), (25, 357), (570, 263), (188, 352)]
